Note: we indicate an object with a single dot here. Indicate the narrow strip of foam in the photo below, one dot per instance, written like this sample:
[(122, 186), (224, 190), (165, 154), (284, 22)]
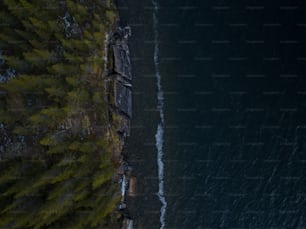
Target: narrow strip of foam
[(159, 136), (159, 145)]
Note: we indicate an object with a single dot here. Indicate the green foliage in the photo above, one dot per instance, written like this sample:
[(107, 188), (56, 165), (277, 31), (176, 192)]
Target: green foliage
[(81, 12), (97, 98), (110, 15), (17, 63), (63, 69), (62, 178), (102, 177)]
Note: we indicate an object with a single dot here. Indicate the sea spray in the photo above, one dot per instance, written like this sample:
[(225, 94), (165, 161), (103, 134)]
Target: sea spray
[(159, 136), (159, 145)]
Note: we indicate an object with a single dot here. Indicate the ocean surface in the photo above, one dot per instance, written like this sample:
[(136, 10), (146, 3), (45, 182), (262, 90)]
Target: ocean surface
[(218, 135)]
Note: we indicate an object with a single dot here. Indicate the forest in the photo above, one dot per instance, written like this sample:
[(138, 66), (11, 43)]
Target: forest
[(57, 135)]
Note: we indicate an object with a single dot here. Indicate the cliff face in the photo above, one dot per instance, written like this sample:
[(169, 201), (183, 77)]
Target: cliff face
[(119, 87), (119, 82), (120, 71)]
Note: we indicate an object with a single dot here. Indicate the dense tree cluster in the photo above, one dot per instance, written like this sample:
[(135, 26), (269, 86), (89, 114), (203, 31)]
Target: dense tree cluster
[(57, 136)]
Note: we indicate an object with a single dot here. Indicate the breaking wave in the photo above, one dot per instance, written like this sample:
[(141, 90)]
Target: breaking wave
[(159, 136)]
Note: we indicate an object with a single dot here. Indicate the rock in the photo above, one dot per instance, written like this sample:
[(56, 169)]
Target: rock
[(123, 98), (132, 186), (122, 63)]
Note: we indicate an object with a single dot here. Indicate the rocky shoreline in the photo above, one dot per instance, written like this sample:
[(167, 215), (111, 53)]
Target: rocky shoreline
[(118, 80)]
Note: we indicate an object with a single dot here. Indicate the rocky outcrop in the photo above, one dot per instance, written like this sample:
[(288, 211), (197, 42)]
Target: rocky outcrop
[(122, 64), (123, 97), (119, 86), (132, 186), (119, 71)]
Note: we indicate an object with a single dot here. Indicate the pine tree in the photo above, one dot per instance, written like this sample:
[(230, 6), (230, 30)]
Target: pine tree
[(62, 177)]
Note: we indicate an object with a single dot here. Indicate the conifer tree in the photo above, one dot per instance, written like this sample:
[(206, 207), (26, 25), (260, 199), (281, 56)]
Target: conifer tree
[(61, 176)]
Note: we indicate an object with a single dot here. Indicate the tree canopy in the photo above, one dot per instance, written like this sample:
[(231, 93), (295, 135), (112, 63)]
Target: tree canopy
[(57, 164)]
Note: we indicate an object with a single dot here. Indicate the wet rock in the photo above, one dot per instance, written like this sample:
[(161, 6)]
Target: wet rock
[(122, 63), (132, 186), (123, 98)]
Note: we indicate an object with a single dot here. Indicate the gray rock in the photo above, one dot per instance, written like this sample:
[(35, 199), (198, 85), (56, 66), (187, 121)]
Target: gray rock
[(120, 49), (123, 98), (122, 63)]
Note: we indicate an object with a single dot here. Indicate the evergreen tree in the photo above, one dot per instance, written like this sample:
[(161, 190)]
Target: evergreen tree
[(60, 174)]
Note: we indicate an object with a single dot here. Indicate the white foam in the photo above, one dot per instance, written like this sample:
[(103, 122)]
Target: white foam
[(159, 145), (159, 136), (123, 186), (130, 225)]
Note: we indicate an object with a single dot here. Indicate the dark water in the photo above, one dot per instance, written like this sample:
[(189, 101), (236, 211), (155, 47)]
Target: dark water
[(234, 82)]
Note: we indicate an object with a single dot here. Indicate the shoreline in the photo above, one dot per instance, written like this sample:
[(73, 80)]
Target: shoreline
[(118, 80)]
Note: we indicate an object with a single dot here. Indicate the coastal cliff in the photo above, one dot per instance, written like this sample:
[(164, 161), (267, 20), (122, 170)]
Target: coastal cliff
[(119, 84)]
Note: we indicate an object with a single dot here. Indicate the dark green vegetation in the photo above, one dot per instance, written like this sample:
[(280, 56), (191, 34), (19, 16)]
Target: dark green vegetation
[(57, 135)]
